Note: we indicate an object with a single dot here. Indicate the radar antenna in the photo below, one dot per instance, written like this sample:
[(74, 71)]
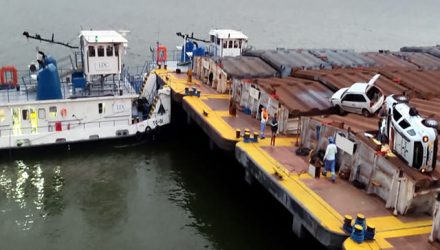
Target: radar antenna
[(52, 40)]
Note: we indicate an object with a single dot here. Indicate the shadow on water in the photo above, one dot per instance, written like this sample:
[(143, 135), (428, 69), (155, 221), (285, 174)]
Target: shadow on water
[(232, 214), (162, 194)]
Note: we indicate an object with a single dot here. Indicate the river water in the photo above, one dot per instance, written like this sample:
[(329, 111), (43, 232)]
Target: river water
[(172, 193)]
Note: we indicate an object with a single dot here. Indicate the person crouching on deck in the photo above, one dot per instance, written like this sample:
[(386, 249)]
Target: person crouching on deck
[(330, 158), (274, 127), (264, 118)]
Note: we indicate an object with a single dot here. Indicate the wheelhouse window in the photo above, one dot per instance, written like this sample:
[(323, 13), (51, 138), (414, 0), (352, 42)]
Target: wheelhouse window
[(225, 44), (101, 108), (239, 44), (100, 51), (230, 44), (42, 113), (116, 50), (91, 51), (109, 50), (25, 114), (53, 111), (235, 44), (212, 38)]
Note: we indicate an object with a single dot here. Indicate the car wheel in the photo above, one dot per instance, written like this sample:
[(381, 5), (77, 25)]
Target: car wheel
[(366, 113), (431, 123), (401, 99), (340, 110)]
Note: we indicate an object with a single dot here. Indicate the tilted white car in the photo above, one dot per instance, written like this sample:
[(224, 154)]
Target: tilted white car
[(361, 98), (410, 136)]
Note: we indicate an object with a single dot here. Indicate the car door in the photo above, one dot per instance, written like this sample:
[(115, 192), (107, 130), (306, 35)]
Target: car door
[(348, 103), (359, 103)]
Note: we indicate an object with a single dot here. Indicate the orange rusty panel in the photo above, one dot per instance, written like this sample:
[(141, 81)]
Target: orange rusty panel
[(356, 123), (427, 108), (422, 60), (246, 67), (300, 96), (341, 78), (422, 83), (387, 59)]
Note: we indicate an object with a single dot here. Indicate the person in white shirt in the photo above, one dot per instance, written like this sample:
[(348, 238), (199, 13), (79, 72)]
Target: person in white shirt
[(330, 158)]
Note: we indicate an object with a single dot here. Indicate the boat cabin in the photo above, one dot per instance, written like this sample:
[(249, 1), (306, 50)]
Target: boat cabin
[(225, 42), (102, 52)]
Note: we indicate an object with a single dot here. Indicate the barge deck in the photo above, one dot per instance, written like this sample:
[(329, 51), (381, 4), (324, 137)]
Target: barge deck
[(316, 204)]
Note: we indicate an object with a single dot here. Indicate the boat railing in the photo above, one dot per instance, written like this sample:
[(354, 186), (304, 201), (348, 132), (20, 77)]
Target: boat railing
[(172, 55), (64, 126)]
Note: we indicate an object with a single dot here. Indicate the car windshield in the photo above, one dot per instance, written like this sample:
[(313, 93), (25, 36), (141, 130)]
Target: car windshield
[(343, 93), (374, 94)]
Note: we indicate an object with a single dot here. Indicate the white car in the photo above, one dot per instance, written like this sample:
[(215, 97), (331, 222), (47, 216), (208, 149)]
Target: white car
[(410, 136), (361, 98)]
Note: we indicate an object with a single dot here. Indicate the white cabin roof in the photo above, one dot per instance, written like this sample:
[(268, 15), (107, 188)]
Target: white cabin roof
[(103, 36), (227, 34)]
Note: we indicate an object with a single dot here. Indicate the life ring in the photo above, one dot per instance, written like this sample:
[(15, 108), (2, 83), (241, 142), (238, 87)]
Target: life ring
[(161, 55), (13, 71), (63, 112)]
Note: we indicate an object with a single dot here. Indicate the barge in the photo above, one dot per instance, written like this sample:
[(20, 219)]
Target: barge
[(223, 95)]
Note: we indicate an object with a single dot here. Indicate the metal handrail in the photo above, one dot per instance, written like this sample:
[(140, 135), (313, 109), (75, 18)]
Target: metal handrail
[(65, 125)]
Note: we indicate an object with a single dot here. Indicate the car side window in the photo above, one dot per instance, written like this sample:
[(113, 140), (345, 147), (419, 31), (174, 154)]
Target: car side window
[(348, 98), (396, 115), (404, 124), (359, 98)]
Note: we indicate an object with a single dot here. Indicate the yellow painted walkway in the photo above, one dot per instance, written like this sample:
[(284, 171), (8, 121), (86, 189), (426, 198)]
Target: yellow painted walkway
[(386, 226)]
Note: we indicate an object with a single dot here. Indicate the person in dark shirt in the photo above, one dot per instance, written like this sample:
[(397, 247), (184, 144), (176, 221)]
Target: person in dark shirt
[(274, 127)]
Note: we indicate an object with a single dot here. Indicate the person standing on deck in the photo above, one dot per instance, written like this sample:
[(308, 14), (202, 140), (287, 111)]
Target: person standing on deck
[(274, 127), (330, 158), (264, 118)]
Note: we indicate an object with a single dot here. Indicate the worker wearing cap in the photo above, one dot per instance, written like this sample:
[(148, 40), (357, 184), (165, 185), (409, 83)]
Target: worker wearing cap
[(330, 158)]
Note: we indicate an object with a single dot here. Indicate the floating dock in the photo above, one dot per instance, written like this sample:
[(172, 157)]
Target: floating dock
[(317, 205)]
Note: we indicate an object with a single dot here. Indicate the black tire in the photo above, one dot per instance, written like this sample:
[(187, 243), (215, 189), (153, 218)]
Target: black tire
[(366, 113), (431, 123), (147, 129), (340, 111)]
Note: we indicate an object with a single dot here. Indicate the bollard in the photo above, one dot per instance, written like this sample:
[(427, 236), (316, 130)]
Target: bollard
[(360, 220), (194, 91), (256, 134), (247, 136), (370, 232), (237, 133), (186, 91), (198, 93), (348, 228), (246, 130), (358, 234)]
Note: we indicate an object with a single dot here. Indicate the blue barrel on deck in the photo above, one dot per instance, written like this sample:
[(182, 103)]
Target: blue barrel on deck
[(200, 51), (49, 86), (189, 47)]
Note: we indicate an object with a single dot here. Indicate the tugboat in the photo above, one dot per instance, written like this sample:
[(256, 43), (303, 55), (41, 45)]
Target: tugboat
[(98, 100)]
